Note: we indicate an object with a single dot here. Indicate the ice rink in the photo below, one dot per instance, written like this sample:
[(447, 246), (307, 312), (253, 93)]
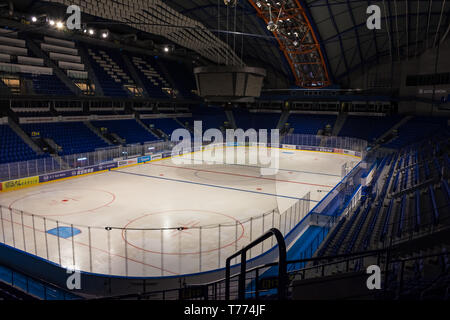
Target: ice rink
[(163, 218)]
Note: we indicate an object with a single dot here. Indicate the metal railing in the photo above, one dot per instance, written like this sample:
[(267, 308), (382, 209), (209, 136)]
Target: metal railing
[(344, 143), (243, 255), (36, 167), (144, 252), (259, 285)]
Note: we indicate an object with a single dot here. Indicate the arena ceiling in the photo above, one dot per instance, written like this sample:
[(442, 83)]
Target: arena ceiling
[(239, 35), (408, 28)]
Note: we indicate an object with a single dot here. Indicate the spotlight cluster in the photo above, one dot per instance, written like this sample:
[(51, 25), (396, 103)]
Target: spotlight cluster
[(60, 25)]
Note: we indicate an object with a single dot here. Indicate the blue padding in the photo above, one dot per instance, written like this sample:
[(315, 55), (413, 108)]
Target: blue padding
[(64, 232), (5, 275)]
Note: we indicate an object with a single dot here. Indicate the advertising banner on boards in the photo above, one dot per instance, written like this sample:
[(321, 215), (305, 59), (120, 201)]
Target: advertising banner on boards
[(19, 183), (144, 159), (76, 172)]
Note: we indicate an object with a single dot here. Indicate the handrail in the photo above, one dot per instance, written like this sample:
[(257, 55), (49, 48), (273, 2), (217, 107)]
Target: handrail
[(347, 256), (282, 269)]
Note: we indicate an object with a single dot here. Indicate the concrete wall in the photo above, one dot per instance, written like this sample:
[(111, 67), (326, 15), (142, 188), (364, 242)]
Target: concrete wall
[(387, 75)]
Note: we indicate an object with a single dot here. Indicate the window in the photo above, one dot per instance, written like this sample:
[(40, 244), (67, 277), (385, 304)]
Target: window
[(428, 79)]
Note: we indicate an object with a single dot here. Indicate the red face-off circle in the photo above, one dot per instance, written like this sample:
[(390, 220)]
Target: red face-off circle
[(189, 221), (67, 202)]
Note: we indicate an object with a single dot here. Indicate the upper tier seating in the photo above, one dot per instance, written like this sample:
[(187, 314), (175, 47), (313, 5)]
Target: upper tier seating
[(184, 78), (65, 54), (129, 130), (20, 61), (72, 137), (110, 71), (151, 76), (48, 85)]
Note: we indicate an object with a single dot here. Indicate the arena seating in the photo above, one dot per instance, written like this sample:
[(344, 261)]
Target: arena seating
[(417, 129), (12, 147), (366, 127), (308, 123), (20, 61), (47, 84), (72, 137), (129, 130), (400, 204), (110, 71), (183, 78), (245, 119), (150, 74), (167, 125), (211, 117)]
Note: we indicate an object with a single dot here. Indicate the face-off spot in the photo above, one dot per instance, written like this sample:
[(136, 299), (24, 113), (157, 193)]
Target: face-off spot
[(181, 227)]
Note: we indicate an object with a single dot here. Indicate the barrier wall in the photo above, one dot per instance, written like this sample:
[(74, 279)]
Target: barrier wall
[(23, 232), (101, 157)]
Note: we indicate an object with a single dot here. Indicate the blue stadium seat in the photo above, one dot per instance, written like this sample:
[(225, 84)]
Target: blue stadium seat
[(367, 128), (72, 137), (129, 130), (310, 124), (167, 125), (13, 148)]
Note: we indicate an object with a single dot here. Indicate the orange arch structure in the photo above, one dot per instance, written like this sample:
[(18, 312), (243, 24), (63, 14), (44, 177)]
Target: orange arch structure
[(297, 40)]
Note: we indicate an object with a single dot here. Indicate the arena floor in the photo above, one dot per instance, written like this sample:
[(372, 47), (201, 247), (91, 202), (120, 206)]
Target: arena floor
[(100, 217)]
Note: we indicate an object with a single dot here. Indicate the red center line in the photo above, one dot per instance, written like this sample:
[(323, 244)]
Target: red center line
[(244, 175)]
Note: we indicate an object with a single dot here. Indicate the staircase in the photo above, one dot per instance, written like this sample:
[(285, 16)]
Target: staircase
[(230, 118), (118, 138), (135, 75), (97, 132), (138, 120), (283, 119), (92, 75), (22, 134), (54, 147), (395, 127), (182, 125), (340, 121)]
